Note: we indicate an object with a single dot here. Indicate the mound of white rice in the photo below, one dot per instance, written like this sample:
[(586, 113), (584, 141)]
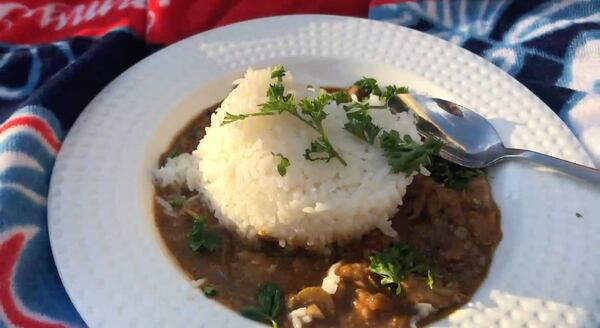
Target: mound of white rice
[(315, 203)]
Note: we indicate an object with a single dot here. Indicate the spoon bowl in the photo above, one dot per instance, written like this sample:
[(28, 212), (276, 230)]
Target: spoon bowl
[(470, 140)]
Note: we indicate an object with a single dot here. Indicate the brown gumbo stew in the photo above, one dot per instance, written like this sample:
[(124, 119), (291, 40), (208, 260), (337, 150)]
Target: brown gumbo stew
[(454, 231)]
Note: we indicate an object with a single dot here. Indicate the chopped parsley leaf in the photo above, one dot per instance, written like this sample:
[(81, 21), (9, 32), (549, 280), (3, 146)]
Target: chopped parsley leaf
[(368, 86), (452, 175), (360, 122), (314, 109), (276, 91), (392, 90), (429, 279), (404, 154), (283, 164), (175, 152), (395, 262), (201, 238), (277, 104), (309, 111), (269, 301), (278, 73), (230, 118), (209, 291), (321, 150), (176, 200), (341, 97)]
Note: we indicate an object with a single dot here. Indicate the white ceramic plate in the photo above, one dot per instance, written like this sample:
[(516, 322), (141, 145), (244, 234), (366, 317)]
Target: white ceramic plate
[(108, 251)]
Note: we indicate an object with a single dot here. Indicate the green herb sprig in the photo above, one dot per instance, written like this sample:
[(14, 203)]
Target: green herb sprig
[(278, 102), (369, 86), (320, 149), (283, 164), (269, 300), (309, 111), (405, 155), (360, 122), (397, 261), (175, 152), (201, 238), (341, 97), (176, 200), (390, 91), (209, 291), (452, 175), (430, 280)]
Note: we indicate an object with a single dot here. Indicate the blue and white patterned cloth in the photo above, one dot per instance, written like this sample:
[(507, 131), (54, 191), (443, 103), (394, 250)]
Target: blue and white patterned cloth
[(552, 47), (43, 89)]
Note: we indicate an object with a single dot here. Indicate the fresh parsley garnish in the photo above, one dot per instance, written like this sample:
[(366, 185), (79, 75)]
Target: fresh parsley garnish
[(209, 291), (269, 302), (174, 152), (395, 262), (277, 104), (278, 73), (368, 86), (360, 122), (452, 175), (309, 111), (230, 118), (276, 92), (313, 108), (577, 214), (320, 149), (404, 154), (201, 238), (341, 97), (176, 200), (429, 279), (392, 90), (283, 164)]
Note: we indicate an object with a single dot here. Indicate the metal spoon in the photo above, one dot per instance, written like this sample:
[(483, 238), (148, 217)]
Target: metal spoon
[(470, 140)]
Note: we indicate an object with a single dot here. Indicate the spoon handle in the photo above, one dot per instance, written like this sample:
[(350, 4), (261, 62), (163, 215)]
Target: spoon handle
[(583, 172)]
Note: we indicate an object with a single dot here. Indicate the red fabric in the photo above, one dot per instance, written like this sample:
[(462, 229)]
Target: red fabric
[(187, 17), (10, 250), (160, 21), (383, 2), (38, 125), (35, 21)]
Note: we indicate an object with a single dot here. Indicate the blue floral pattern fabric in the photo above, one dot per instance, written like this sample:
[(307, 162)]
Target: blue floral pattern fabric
[(552, 47)]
